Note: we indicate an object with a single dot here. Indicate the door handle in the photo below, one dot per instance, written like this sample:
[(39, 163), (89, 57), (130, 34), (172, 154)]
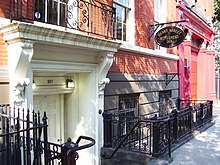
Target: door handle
[(59, 140)]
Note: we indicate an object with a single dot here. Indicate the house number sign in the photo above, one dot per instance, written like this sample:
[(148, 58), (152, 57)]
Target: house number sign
[(169, 36)]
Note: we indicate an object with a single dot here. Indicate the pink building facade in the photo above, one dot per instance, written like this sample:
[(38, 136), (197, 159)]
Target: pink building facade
[(196, 67)]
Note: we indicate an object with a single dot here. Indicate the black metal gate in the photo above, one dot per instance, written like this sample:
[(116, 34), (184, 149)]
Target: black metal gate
[(24, 140)]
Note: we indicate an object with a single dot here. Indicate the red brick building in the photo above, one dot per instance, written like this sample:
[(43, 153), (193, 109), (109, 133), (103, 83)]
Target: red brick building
[(111, 56), (140, 69), (147, 75)]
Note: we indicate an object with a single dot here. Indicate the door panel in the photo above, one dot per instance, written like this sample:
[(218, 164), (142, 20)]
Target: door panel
[(50, 104)]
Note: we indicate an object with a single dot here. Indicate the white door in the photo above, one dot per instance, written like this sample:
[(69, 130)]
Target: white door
[(51, 104)]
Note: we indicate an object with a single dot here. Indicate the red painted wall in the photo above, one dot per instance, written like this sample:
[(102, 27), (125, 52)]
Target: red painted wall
[(197, 80)]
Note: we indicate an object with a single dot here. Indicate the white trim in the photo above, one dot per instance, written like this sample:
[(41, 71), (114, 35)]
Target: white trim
[(43, 65), (4, 21), (4, 75), (145, 51), (24, 31)]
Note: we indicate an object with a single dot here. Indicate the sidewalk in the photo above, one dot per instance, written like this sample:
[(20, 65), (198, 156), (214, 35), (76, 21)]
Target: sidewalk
[(203, 149)]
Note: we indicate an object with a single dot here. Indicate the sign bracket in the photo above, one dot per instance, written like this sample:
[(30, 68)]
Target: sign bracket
[(169, 77), (153, 27)]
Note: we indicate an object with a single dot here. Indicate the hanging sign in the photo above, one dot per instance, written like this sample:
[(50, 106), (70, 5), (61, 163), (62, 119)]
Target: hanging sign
[(169, 36)]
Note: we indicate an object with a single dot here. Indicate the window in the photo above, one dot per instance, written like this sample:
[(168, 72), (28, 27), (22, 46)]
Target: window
[(164, 100), (52, 11), (122, 9), (128, 110), (160, 15)]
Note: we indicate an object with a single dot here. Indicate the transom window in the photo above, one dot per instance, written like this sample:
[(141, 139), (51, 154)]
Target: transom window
[(122, 8)]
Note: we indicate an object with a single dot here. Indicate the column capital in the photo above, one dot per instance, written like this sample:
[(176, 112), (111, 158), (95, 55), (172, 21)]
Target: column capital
[(105, 60), (19, 58)]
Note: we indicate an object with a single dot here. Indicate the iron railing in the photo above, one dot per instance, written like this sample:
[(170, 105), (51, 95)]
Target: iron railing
[(154, 136), (24, 140), (90, 16)]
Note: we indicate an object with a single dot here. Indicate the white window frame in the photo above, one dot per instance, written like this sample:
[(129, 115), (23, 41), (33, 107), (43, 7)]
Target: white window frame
[(130, 27), (160, 14)]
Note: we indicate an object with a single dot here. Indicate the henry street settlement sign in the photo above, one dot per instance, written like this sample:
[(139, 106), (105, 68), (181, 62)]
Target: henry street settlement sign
[(169, 36)]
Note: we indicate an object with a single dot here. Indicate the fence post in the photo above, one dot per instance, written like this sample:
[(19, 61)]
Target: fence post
[(156, 138), (211, 109), (107, 119), (46, 154), (202, 113), (8, 142), (18, 154), (169, 137), (178, 103), (190, 118), (69, 155), (175, 125), (28, 152)]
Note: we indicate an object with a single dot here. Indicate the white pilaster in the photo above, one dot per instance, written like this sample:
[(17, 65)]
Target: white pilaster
[(105, 61)]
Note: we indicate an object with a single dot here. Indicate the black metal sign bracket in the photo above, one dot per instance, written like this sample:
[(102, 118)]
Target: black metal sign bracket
[(153, 27), (169, 77)]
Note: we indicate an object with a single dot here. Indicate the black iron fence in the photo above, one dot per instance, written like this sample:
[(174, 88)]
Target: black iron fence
[(156, 135), (24, 140), (90, 16)]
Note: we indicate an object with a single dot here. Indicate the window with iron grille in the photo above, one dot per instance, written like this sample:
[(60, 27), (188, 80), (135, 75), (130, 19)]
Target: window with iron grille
[(164, 97), (128, 110), (122, 9)]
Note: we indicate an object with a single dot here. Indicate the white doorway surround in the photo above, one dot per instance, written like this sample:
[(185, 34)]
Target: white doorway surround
[(81, 106)]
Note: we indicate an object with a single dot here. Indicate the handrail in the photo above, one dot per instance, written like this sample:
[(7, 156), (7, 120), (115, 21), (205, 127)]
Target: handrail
[(117, 148), (125, 138)]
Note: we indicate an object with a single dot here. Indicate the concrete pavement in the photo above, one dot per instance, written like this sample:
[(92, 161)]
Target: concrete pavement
[(203, 149)]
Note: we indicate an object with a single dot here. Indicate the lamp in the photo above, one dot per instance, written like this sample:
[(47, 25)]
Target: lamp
[(33, 85), (70, 83)]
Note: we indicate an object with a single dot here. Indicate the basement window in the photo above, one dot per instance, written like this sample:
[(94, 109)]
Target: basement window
[(128, 110)]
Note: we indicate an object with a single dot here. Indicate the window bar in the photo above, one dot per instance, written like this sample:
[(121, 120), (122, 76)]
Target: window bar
[(59, 8), (52, 12), (43, 10), (17, 9), (46, 11)]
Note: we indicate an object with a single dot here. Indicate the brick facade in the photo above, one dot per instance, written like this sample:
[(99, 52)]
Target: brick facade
[(134, 63), (144, 15), (5, 9)]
